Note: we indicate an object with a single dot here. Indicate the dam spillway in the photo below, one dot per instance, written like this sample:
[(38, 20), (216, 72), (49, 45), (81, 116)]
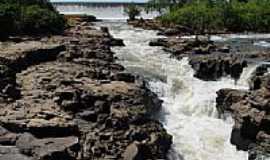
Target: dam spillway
[(102, 9)]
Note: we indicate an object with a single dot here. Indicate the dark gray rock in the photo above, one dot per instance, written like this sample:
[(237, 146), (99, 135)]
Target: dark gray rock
[(77, 103), (117, 42), (213, 67), (250, 111)]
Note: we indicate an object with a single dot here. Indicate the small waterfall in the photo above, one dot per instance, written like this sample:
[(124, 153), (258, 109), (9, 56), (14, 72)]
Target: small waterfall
[(246, 75), (189, 111)]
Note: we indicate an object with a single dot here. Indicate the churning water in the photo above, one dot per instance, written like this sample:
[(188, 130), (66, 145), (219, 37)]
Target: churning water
[(189, 108), (189, 111)]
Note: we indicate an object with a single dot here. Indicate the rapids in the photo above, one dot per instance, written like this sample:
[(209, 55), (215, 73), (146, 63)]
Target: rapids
[(189, 111)]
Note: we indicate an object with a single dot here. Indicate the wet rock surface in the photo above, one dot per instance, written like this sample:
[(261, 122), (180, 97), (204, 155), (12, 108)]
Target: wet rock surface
[(69, 100), (210, 61), (213, 67), (179, 47), (250, 111), (19, 56)]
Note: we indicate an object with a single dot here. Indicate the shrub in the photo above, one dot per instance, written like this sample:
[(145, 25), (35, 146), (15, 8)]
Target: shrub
[(132, 11), (29, 17), (200, 17), (39, 20)]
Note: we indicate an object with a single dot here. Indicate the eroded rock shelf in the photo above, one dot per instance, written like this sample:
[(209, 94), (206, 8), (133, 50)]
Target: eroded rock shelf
[(65, 98)]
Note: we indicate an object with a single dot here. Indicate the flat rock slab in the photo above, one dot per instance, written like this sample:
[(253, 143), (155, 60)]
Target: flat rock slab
[(75, 102), (24, 54)]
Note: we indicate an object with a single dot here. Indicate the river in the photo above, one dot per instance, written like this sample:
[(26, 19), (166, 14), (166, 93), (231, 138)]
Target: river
[(189, 111)]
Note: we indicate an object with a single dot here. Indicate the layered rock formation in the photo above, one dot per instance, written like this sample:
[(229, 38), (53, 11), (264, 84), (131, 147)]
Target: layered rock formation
[(213, 67), (250, 111), (209, 61), (65, 98)]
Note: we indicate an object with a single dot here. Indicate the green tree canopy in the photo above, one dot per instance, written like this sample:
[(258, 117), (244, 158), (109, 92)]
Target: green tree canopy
[(29, 17), (132, 11), (205, 16)]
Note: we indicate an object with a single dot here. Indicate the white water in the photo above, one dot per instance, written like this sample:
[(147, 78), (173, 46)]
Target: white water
[(263, 44), (101, 11), (189, 104)]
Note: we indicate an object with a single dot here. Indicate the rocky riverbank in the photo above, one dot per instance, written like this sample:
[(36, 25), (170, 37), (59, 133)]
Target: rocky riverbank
[(65, 98), (249, 108), (250, 111), (210, 60), (164, 29)]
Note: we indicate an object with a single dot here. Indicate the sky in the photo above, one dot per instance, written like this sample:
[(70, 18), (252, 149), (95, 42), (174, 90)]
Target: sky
[(138, 1)]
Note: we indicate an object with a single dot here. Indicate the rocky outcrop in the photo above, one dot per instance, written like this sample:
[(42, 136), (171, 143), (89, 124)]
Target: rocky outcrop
[(19, 56), (76, 103), (81, 18), (209, 61), (259, 77), (213, 67), (164, 29), (150, 24), (179, 47), (250, 111)]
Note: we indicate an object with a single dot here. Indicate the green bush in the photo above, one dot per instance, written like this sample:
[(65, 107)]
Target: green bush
[(207, 16), (40, 20), (29, 17), (132, 11)]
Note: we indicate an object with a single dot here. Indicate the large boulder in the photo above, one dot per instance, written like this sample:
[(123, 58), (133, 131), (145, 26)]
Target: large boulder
[(250, 111), (213, 67)]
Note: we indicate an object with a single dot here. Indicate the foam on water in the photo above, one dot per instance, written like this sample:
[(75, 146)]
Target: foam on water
[(189, 111), (263, 44)]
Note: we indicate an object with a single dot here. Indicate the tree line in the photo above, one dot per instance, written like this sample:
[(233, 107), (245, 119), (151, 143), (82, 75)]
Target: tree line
[(207, 16)]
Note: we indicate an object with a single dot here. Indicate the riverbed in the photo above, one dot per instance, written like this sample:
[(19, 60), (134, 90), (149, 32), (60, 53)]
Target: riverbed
[(189, 108)]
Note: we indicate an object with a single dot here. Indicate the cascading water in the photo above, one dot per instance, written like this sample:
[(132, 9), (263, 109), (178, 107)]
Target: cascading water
[(100, 10), (189, 111)]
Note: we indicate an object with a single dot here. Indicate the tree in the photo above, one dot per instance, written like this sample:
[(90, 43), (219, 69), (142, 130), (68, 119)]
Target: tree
[(39, 20), (132, 11), (29, 17)]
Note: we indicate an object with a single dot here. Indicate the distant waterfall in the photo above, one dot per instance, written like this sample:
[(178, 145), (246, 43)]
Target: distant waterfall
[(100, 10)]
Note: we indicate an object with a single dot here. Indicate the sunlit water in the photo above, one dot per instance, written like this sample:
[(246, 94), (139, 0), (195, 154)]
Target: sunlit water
[(189, 111)]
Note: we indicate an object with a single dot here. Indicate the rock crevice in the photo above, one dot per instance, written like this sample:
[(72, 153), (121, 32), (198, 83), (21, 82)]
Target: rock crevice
[(74, 102)]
